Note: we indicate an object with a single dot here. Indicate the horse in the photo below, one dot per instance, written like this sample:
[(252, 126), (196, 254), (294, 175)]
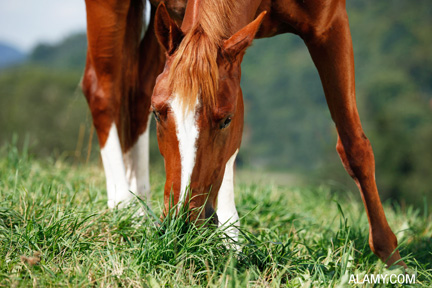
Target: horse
[(186, 70)]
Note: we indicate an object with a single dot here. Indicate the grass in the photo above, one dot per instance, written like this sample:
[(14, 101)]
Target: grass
[(56, 230)]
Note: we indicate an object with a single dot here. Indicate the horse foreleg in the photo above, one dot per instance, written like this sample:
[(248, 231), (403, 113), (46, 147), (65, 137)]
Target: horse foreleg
[(103, 85), (137, 163), (226, 208), (332, 53), (151, 61), (104, 117)]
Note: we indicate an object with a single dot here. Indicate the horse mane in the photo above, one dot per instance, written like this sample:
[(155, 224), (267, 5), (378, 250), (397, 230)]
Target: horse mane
[(194, 70)]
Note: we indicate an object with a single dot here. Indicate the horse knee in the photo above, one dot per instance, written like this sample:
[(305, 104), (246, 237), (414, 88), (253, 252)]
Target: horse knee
[(341, 151), (100, 104), (357, 156)]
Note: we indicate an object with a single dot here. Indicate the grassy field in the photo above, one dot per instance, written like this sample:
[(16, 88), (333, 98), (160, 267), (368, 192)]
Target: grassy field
[(56, 230)]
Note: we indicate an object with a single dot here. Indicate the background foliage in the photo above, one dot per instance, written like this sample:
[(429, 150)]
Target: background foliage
[(288, 126)]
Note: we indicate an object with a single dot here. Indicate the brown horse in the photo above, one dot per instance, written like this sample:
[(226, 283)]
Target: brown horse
[(197, 100)]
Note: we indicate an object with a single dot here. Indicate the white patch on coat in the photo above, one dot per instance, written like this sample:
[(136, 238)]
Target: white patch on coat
[(112, 159), (226, 209), (137, 165), (187, 134)]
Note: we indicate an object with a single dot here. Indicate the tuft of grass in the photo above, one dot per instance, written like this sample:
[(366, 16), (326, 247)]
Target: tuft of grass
[(55, 230)]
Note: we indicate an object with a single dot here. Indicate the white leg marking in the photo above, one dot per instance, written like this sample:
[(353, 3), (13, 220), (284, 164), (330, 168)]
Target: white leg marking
[(187, 134), (117, 187), (137, 165), (226, 209)]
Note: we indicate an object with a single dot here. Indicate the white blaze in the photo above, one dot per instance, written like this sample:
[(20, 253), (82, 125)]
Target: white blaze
[(187, 134)]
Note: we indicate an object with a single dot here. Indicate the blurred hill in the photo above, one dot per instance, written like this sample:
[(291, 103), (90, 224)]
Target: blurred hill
[(288, 126), (41, 99), (10, 55), (69, 54)]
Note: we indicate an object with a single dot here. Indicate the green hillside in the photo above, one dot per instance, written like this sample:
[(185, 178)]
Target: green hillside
[(69, 54)]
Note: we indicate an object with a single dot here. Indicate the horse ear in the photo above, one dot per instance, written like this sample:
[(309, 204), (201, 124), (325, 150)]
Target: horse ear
[(236, 45), (167, 32)]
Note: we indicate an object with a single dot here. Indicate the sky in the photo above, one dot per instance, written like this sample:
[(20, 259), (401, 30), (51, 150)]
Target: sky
[(25, 23)]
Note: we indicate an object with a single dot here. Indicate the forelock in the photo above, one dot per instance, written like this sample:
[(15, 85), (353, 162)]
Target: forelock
[(194, 71)]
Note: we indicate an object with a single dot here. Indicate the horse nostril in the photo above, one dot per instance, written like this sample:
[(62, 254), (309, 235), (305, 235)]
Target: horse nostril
[(210, 213), (215, 219)]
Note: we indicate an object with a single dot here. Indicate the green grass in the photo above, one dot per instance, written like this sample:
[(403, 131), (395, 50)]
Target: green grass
[(56, 230)]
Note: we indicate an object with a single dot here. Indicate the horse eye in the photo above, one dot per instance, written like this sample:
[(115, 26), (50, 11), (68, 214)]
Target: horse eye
[(225, 122), (156, 115)]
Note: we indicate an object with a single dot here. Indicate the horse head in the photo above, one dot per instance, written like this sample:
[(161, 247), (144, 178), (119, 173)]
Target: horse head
[(198, 106)]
